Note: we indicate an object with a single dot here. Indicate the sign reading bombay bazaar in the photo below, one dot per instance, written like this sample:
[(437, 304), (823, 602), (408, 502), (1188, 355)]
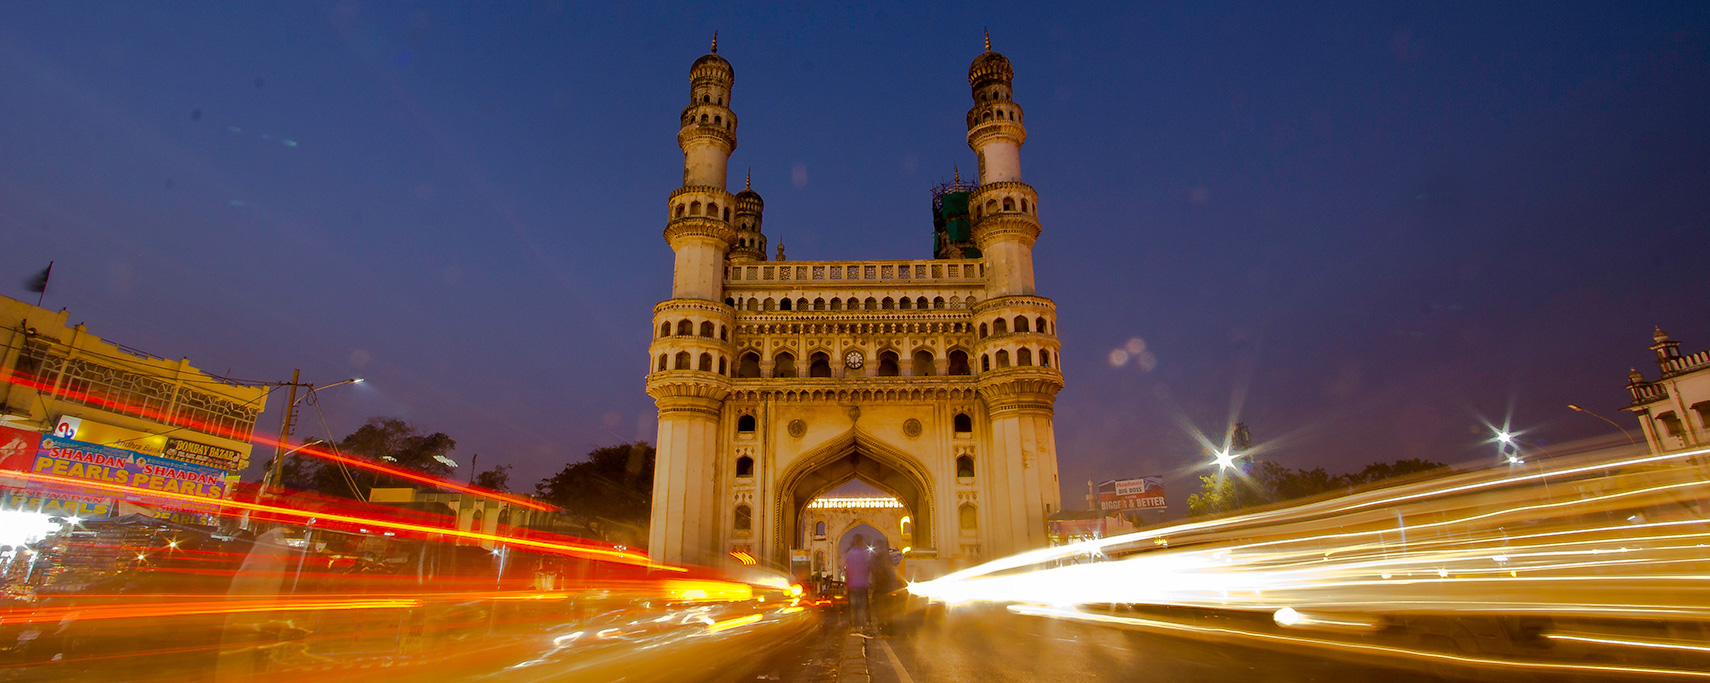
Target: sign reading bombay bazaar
[(106, 464)]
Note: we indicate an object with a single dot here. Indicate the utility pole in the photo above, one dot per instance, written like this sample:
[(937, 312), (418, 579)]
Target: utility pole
[(285, 433)]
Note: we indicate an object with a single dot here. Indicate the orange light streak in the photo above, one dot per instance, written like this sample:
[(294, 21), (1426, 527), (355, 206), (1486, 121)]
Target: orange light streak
[(183, 609), (577, 551)]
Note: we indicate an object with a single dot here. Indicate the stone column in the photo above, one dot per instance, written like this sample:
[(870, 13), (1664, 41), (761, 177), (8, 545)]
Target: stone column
[(686, 524), (1023, 458)]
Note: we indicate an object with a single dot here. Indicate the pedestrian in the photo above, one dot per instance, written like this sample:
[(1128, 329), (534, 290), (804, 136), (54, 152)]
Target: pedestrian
[(857, 573)]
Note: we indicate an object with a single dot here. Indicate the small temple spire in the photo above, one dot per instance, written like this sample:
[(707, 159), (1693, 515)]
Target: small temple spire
[(748, 181), (958, 171), (988, 41), (715, 42), (780, 248)]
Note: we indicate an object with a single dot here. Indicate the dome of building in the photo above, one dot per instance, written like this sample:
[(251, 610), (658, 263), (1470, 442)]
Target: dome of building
[(990, 66), (748, 198), (710, 64)]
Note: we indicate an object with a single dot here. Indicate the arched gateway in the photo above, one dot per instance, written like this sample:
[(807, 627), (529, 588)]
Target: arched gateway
[(778, 381)]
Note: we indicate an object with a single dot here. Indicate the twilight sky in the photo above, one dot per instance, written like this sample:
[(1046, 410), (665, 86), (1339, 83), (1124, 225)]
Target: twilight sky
[(1372, 227)]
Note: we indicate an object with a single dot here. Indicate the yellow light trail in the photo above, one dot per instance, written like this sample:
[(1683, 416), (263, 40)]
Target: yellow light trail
[(1594, 544)]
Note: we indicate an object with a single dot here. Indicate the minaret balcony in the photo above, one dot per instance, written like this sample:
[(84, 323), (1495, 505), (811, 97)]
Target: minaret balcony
[(979, 132), (699, 226)]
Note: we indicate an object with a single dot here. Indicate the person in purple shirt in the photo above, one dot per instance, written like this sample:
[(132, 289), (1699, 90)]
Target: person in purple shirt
[(857, 572)]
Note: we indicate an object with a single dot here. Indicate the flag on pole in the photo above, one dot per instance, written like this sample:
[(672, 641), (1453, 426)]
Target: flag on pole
[(38, 284)]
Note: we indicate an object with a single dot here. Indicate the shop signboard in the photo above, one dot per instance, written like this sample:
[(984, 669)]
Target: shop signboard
[(198, 453), (57, 504), (17, 446), (1145, 493), (140, 474)]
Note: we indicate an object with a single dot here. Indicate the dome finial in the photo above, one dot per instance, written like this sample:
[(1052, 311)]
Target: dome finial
[(958, 171), (748, 180), (715, 41), (988, 41)]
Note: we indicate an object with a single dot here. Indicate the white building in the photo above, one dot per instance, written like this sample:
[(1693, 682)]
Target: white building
[(1673, 411)]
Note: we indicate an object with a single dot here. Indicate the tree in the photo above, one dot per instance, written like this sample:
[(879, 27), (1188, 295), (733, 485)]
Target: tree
[(614, 483), (498, 478), (1259, 482), (1217, 494), (386, 440)]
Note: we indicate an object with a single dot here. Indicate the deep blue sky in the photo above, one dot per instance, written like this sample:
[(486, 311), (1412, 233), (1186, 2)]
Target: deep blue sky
[(1371, 225)]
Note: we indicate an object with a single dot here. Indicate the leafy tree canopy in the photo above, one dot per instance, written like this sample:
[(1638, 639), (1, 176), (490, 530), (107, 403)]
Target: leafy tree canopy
[(387, 440), (498, 478), (1268, 482), (615, 483)]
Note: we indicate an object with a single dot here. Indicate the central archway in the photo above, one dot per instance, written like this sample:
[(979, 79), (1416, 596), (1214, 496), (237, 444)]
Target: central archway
[(848, 456)]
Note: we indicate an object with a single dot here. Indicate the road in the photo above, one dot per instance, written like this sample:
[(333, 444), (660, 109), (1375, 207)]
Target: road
[(990, 646)]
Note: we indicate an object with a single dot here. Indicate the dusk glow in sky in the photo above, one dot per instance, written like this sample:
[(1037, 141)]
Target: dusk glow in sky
[(1365, 229)]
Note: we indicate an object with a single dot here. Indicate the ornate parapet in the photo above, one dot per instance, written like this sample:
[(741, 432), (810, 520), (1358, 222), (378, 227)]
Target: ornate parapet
[(982, 131), (1002, 227), (1020, 390), (690, 228), (819, 274), (688, 391)]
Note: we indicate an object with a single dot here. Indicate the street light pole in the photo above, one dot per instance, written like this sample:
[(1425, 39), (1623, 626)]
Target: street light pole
[(1624, 431), (285, 432), (278, 470)]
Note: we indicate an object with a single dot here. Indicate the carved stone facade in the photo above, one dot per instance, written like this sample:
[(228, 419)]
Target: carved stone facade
[(932, 380), (1673, 411)]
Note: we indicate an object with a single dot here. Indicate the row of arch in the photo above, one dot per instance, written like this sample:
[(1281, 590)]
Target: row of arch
[(853, 328), (1002, 326), (911, 395), (851, 304), (1006, 204), (694, 208), (1023, 358), (686, 328), (922, 364), (988, 115), (684, 360)]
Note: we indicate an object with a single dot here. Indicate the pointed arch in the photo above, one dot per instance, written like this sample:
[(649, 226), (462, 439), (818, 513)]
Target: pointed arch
[(852, 455)]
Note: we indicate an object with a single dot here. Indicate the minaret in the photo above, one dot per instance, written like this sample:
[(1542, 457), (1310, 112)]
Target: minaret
[(691, 358), (1666, 349), (1005, 209), (699, 229), (750, 243), (1016, 342)]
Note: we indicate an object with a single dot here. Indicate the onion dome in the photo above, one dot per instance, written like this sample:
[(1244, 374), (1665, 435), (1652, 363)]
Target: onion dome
[(712, 65), (748, 199), (990, 66)]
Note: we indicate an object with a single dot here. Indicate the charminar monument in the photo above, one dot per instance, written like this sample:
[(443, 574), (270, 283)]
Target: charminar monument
[(778, 381)]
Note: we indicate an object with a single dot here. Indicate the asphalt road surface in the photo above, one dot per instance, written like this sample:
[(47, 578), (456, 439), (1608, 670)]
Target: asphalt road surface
[(989, 646)]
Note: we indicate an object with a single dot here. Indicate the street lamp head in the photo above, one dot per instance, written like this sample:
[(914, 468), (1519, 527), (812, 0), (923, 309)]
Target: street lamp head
[(1224, 459), (1574, 407), (358, 380), (1505, 437)]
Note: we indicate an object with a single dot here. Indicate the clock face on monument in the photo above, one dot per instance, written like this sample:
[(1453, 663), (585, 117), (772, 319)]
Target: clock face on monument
[(852, 360)]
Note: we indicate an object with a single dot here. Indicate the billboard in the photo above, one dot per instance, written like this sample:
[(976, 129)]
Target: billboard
[(1145, 493), (198, 453), (77, 460)]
